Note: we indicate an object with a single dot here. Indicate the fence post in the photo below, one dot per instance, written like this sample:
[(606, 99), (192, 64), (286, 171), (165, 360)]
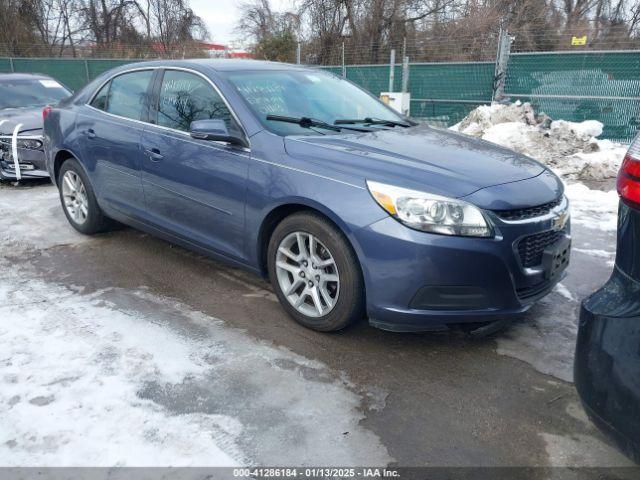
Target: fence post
[(392, 69), (86, 70), (298, 52), (405, 74), (13, 68), (344, 67), (502, 63)]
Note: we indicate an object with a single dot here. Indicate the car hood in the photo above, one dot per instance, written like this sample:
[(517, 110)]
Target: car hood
[(438, 161), (29, 118)]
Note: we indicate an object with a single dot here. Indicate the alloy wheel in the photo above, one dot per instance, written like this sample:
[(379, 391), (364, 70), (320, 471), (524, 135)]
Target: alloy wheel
[(75, 198), (307, 274)]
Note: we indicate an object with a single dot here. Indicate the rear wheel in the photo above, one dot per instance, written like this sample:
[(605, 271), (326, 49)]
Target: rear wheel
[(78, 200), (315, 273)]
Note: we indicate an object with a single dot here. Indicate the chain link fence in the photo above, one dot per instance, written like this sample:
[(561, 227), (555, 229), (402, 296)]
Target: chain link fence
[(590, 85), (572, 82), (73, 73), (446, 77), (138, 51)]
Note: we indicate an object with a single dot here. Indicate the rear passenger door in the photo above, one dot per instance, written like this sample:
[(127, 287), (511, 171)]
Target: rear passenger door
[(193, 188), (112, 126)]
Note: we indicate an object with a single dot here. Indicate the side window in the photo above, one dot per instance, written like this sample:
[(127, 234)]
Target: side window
[(128, 93), (100, 100), (185, 97)]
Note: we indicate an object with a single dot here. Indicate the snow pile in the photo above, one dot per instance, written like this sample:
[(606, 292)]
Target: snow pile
[(594, 209), (571, 149)]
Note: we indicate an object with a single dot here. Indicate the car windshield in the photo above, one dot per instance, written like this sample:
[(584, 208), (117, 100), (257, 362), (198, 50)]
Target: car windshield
[(313, 95), (23, 93)]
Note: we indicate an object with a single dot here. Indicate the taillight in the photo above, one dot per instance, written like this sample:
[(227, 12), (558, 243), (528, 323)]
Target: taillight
[(45, 112), (629, 176)]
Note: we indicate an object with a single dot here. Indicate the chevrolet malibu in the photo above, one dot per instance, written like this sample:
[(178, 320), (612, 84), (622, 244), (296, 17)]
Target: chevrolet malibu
[(298, 175)]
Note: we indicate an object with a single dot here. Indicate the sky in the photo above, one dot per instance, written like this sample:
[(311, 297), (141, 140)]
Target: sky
[(221, 17)]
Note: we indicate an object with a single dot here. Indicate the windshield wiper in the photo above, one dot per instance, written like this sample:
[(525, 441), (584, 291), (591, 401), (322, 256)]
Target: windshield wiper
[(306, 122), (373, 121)]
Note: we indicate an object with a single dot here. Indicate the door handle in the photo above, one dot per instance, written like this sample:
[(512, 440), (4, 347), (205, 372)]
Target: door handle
[(153, 154), (90, 133)]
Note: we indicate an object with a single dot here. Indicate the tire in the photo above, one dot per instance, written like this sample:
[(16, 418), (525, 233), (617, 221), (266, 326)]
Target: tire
[(94, 221), (342, 300)]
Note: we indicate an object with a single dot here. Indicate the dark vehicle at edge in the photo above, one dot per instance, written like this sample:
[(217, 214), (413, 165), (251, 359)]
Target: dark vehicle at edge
[(350, 209), (607, 361), (22, 98)]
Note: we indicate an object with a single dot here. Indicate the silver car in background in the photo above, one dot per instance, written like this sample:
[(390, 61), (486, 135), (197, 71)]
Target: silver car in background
[(22, 99)]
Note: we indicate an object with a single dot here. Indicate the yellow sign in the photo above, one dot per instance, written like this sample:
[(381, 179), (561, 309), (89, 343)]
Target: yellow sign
[(579, 40)]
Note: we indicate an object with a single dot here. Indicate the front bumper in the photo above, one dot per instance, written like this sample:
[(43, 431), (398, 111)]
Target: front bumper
[(416, 281), (32, 163), (607, 361)]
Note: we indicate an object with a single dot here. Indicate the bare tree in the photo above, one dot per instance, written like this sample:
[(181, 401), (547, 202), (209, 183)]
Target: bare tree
[(273, 33), (171, 22)]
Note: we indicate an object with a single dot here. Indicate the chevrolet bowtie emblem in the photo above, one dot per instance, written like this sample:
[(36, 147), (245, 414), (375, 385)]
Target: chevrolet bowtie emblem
[(560, 221)]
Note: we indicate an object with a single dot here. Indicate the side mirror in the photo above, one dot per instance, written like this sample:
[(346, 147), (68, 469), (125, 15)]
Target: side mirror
[(215, 130)]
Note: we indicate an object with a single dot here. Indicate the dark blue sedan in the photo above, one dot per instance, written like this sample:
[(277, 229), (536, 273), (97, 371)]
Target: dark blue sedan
[(350, 209), (607, 365)]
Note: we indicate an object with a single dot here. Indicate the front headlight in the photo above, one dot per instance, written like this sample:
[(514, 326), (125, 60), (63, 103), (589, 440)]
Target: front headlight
[(29, 144), (429, 212)]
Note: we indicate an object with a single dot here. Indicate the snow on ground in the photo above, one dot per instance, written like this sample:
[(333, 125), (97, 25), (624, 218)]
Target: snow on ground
[(28, 216), (126, 378), (565, 292), (71, 369)]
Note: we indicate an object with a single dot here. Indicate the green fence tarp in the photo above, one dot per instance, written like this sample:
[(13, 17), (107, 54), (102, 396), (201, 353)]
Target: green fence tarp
[(442, 93), (445, 93), (472, 82), (74, 73), (5, 65), (603, 86)]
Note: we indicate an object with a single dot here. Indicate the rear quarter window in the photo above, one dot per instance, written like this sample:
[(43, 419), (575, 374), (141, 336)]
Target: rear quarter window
[(100, 100), (126, 95)]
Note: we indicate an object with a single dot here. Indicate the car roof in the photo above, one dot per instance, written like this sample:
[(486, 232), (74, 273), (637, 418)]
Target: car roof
[(23, 76), (231, 65), (218, 64)]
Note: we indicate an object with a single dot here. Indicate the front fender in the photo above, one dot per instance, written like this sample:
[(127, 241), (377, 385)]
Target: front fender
[(272, 186)]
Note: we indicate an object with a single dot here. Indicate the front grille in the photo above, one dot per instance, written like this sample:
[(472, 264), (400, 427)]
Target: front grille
[(531, 248), (5, 150), (529, 212)]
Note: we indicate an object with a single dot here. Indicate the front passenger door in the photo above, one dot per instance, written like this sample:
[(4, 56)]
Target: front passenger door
[(193, 188)]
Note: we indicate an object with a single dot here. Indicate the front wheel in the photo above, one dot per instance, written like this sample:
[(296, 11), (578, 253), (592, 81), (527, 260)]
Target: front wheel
[(315, 273)]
